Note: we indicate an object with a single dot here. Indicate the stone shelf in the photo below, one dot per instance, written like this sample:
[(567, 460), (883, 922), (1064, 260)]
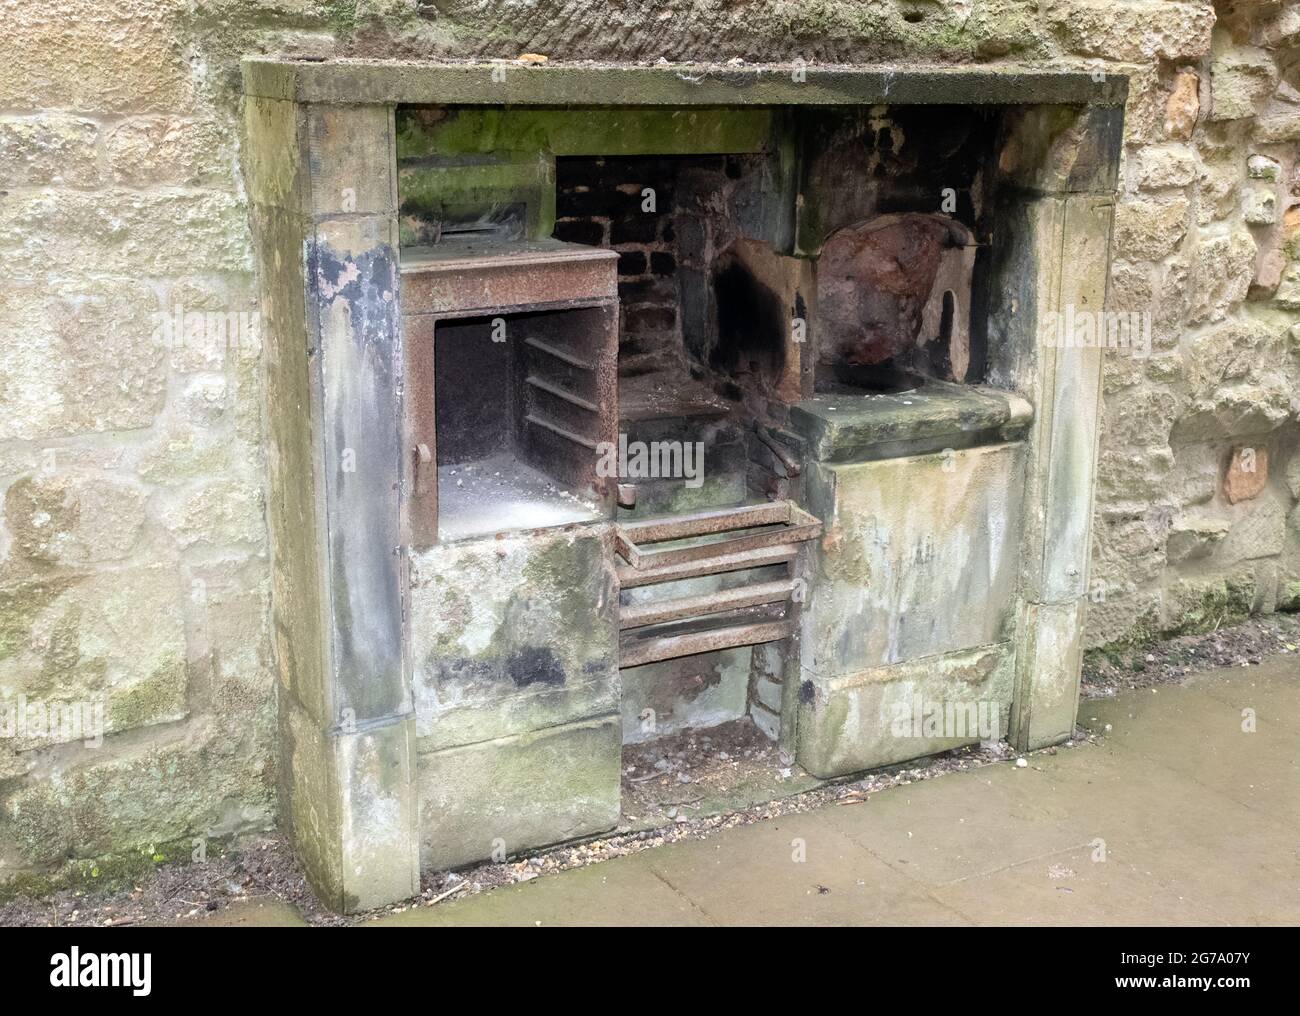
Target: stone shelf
[(859, 426)]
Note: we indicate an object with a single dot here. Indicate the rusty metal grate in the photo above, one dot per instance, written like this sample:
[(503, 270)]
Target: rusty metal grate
[(711, 543)]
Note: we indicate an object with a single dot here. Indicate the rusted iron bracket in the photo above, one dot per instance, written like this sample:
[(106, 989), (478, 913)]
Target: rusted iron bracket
[(787, 458)]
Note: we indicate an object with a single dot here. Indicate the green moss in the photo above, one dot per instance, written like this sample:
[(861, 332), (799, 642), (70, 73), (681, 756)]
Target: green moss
[(455, 612), (548, 785), (159, 696), (571, 572), (475, 165), (20, 605), (715, 490), (832, 19), (1222, 602), (117, 805), (341, 15), (108, 874), (937, 38), (617, 131), (476, 191), (1145, 629)]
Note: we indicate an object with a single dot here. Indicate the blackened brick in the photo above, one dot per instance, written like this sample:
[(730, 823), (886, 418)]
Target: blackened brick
[(640, 227), (588, 231), (658, 291), (631, 262), (662, 263), (650, 319), (584, 201)]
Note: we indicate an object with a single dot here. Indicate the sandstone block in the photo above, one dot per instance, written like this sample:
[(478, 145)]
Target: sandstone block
[(110, 58), (49, 150), (1192, 538), (1259, 206), (1183, 106), (1280, 120), (111, 639), (160, 794), (1261, 167), (1241, 78), (167, 150), (78, 357), (68, 518), (134, 233), (1258, 530), (1247, 473), (222, 512), (1221, 276), (1150, 230), (1167, 166), (1137, 31), (1237, 410), (1288, 290)]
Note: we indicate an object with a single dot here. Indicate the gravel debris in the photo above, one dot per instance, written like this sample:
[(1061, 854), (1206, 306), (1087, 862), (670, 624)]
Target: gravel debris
[(1107, 671)]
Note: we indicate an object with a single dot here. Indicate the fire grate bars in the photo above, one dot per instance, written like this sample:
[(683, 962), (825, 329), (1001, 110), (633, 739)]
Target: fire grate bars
[(711, 543)]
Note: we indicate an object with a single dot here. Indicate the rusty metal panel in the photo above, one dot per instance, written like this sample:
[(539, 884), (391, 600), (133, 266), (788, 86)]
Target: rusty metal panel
[(463, 277), (783, 534), (716, 520)]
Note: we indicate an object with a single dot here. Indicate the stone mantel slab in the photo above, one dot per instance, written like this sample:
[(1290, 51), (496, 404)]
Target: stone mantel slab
[(391, 82)]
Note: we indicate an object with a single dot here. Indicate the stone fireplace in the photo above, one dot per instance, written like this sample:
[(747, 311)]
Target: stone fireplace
[(488, 289)]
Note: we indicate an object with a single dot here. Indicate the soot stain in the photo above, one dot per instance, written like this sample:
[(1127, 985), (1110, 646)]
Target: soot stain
[(751, 320)]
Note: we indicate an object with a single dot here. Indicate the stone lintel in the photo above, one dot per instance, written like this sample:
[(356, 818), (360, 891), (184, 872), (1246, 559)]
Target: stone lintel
[(390, 82)]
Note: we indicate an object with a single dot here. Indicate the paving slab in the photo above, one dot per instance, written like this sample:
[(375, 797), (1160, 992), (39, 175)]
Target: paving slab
[(624, 892), (795, 870), (1070, 888), (1199, 731), (1176, 816), (939, 831), (1268, 688)]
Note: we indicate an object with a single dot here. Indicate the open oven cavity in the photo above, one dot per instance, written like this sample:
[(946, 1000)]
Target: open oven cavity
[(517, 420)]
